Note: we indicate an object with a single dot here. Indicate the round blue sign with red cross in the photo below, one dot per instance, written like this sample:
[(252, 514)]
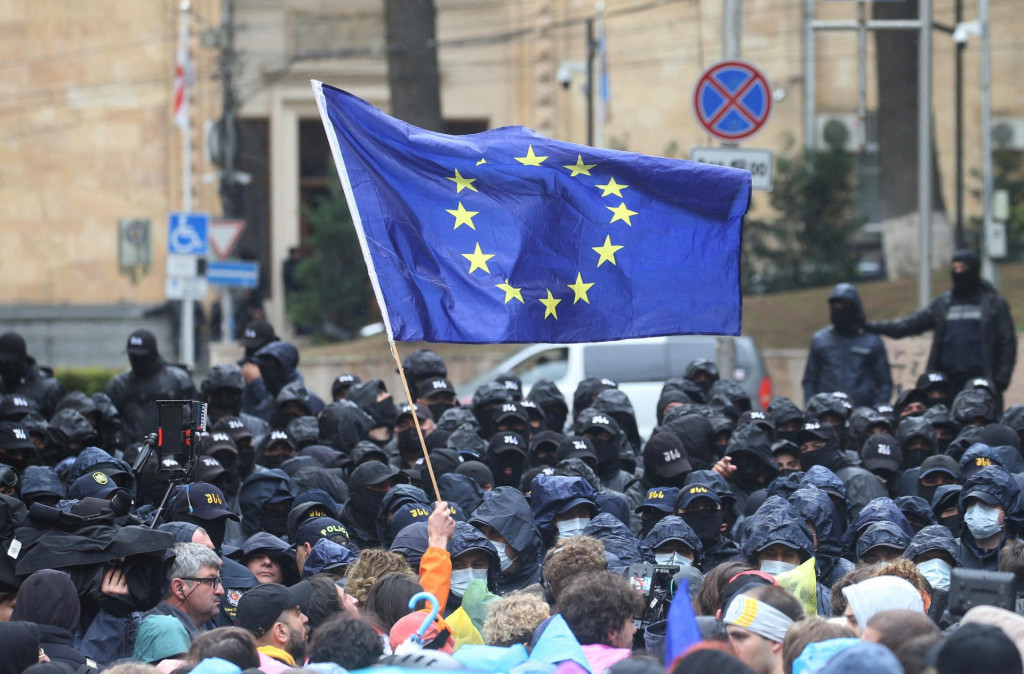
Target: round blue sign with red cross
[(732, 100)]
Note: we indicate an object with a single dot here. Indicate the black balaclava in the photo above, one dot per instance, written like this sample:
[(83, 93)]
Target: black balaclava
[(215, 528), (273, 374), (409, 446), (224, 402), (748, 472), (955, 524), (844, 316), (365, 504), (966, 283), (275, 521), (707, 524), (437, 409), (145, 364), (825, 456), (507, 460), (555, 414)]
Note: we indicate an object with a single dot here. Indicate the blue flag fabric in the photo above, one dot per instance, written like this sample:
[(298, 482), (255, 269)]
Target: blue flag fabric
[(507, 236), (682, 631)]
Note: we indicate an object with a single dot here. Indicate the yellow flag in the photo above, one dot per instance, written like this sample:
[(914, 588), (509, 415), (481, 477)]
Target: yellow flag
[(803, 583)]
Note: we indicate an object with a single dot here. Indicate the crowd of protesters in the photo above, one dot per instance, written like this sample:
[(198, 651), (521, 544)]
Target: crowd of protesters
[(293, 538)]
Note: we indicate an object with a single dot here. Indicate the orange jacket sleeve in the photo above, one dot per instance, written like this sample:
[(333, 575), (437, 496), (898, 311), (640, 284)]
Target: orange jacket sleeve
[(436, 575)]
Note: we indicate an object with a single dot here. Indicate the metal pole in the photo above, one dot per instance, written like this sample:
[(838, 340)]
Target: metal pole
[(959, 104), (809, 76), (187, 322), (731, 29), (988, 268), (591, 53), (229, 145), (602, 110), (924, 154), (862, 73)]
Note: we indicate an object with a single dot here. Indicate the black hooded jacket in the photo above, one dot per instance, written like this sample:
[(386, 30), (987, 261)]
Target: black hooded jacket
[(508, 513), (998, 335), (38, 384), (545, 395), (846, 358), (135, 396)]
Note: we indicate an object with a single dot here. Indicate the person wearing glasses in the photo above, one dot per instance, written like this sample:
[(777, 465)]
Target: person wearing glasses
[(194, 588)]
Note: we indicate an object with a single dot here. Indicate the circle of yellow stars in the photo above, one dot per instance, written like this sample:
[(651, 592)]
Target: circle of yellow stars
[(605, 252)]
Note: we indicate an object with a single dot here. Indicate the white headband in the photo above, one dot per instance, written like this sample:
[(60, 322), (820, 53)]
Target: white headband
[(758, 617)]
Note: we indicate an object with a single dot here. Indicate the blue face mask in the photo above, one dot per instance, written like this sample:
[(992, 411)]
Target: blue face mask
[(982, 521), (773, 568), (936, 572)]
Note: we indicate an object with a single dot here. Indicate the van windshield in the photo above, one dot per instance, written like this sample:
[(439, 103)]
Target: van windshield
[(549, 364)]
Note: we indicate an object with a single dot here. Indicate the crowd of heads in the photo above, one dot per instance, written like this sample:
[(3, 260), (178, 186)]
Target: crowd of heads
[(298, 529)]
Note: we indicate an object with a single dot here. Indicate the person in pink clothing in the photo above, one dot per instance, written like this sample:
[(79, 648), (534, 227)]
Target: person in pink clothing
[(599, 609)]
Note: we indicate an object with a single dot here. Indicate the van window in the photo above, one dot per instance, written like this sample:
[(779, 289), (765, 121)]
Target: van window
[(626, 362), (550, 364)]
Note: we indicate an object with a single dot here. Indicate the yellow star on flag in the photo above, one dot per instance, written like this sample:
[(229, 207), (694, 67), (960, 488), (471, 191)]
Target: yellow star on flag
[(607, 251), (621, 213), (580, 289), (531, 159), (611, 187), (482, 161), (511, 292), (579, 167), (463, 183), (463, 217), (477, 260), (550, 303)]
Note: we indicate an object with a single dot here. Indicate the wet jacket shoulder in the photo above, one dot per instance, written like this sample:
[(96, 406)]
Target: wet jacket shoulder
[(39, 385), (134, 396), (508, 513), (862, 486), (855, 363), (620, 545), (551, 491), (998, 334)]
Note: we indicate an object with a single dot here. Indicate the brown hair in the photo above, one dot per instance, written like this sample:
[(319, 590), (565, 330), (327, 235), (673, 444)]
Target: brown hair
[(513, 619), (709, 597), (808, 631), (575, 557), (372, 564)]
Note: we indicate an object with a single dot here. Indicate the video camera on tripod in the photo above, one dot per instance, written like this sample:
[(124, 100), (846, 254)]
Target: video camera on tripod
[(656, 583)]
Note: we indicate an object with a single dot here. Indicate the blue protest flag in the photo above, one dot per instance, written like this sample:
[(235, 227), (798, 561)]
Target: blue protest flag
[(682, 631), (507, 236)]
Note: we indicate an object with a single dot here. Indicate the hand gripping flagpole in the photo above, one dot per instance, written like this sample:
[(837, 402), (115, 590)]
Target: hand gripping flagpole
[(415, 418)]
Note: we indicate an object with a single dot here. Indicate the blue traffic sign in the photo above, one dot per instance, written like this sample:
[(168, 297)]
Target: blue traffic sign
[(732, 100), (234, 274), (188, 233)]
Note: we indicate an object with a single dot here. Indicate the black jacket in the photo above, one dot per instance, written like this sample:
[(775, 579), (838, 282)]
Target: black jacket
[(38, 384), (135, 397), (507, 512), (998, 335), (854, 363)]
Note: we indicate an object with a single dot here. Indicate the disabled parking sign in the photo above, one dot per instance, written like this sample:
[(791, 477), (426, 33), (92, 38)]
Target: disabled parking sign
[(188, 233), (732, 100)]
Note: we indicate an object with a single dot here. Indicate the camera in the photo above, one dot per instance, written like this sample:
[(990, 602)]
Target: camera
[(655, 583), (181, 424), (973, 587)]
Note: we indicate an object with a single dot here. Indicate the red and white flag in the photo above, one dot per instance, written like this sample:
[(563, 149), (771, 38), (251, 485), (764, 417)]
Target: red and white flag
[(182, 75)]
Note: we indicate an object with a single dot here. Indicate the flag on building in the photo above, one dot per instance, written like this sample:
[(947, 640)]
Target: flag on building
[(508, 236)]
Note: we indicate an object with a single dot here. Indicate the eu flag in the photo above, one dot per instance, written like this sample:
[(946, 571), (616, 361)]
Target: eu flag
[(508, 236)]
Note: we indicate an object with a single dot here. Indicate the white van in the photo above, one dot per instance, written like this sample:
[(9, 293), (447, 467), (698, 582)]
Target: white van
[(639, 367)]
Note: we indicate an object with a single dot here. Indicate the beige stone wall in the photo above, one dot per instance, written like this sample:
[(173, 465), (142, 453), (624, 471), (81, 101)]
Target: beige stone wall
[(86, 123), (86, 137)]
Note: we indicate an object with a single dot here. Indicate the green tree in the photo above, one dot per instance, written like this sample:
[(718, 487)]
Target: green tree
[(808, 242), (334, 295), (1007, 174)]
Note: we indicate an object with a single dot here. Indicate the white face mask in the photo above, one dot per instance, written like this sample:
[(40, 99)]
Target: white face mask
[(463, 577), (982, 520), (936, 571), (503, 561), (573, 527), (671, 559), (773, 568)]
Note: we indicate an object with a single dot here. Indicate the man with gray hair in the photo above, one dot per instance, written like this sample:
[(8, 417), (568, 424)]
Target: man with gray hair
[(194, 587)]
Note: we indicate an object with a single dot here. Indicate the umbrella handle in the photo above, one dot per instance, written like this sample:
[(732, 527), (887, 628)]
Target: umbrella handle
[(435, 607)]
